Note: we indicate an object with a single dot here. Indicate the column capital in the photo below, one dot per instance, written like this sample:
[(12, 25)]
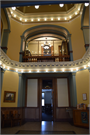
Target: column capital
[(2, 71), (69, 35), (20, 74), (7, 31), (74, 74), (22, 37), (89, 69)]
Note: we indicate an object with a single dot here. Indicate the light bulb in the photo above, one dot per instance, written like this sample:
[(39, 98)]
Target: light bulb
[(13, 8), (38, 19), (75, 13), (11, 12), (61, 5), (36, 6), (29, 71), (14, 15), (20, 19), (63, 70), (54, 70), (51, 19), (32, 20), (86, 4), (58, 18), (25, 20), (45, 19)]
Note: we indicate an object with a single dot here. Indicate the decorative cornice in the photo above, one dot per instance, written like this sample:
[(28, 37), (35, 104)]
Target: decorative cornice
[(42, 66)]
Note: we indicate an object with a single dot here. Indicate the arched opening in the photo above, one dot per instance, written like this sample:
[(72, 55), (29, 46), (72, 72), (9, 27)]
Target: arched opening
[(56, 38)]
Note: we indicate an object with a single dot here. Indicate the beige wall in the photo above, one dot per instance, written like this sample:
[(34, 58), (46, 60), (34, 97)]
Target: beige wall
[(74, 27), (82, 86), (10, 83)]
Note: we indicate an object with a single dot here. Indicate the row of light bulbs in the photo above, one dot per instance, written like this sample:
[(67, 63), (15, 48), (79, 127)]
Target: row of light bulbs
[(71, 69), (37, 6), (61, 5), (45, 19)]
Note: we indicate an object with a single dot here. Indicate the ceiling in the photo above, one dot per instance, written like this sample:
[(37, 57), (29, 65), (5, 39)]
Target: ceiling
[(45, 8)]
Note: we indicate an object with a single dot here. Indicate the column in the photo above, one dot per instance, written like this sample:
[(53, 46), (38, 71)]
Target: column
[(22, 49), (2, 75), (89, 88), (21, 90), (5, 39), (73, 92), (19, 103), (70, 48)]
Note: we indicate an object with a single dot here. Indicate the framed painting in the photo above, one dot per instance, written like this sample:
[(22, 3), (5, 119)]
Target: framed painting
[(84, 96), (9, 96)]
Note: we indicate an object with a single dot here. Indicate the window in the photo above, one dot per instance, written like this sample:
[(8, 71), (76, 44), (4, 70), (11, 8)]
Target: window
[(43, 102)]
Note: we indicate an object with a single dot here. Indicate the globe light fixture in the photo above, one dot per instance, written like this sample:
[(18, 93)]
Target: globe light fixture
[(13, 8), (61, 5), (86, 4), (36, 6)]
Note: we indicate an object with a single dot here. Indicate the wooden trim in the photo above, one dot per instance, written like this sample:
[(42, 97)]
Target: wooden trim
[(26, 94)]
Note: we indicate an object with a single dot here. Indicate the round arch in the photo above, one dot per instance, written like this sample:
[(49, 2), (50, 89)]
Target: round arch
[(43, 29), (5, 30), (85, 25)]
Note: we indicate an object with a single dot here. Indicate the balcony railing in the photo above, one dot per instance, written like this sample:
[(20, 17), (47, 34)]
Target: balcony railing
[(46, 58)]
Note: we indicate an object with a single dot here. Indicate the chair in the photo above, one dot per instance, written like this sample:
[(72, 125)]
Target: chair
[(6, 118), (15, 117)]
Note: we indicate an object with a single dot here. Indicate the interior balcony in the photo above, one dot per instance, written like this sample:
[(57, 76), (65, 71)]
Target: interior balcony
[(47, 50)]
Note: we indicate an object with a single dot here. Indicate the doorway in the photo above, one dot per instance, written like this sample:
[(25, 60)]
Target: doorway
[(47, 100)]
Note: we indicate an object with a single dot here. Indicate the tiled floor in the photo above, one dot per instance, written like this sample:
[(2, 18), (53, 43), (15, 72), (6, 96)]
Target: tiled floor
[(45, 126)]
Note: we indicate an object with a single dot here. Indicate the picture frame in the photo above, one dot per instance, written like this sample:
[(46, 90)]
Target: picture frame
[(9, 96), (84, 96)]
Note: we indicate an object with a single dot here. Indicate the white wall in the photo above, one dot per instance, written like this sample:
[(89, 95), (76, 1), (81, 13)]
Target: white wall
[(32, 92), (62, 92)]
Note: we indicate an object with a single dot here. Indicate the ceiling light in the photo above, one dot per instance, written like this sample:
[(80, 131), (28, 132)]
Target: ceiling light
[(16, 70), (70, 17), (38, 71), (32, 20), (36, 6), (0, 62), (79, 9), (4, 66), (58, 18), (84, 67), (22, 71), (46, 70), (88, 65), (75, 13), (52, 19), (54, 70), (11, 12), (38, 19), (45, 19), (29, 71), (13, 8), (86, 4), (63, 70), (61, 5), (8, 68), (71, 69), (76, 69), (20, 19), (25, 20), (65, 18), (14, 15)]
